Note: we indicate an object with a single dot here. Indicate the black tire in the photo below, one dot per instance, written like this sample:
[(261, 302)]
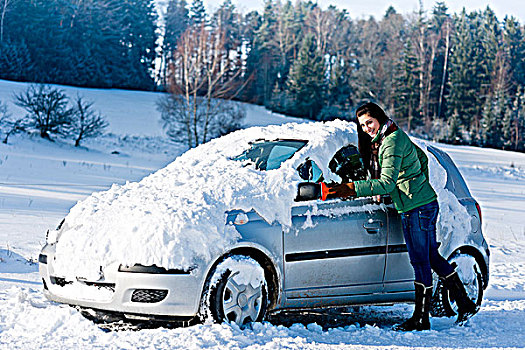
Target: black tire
[(229, 300), (470, 274)]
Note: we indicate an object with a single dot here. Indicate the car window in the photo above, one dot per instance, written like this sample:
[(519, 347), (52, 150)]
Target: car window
[(269, 155), (310, 171), (279, 154), (347, 164)]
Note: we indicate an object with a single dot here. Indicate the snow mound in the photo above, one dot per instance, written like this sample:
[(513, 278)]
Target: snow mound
[(176, 216), (453, 217)]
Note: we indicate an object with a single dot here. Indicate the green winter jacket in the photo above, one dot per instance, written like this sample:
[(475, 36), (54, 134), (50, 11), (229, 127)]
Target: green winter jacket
[(404, 174)]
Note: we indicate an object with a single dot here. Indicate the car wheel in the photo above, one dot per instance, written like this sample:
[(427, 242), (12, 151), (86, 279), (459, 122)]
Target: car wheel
[(237, 291), (470, 274)]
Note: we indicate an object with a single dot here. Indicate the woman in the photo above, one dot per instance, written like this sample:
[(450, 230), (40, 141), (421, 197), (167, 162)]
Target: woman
[(399, 168)]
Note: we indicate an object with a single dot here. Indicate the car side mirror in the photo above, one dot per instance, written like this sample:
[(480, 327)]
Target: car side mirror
[(307, 191)]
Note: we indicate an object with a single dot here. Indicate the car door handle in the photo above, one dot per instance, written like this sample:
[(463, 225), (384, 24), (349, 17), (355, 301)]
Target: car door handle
[(373, 226)]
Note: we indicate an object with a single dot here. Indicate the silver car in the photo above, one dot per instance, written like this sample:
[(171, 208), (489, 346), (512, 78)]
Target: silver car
[(336, 253)]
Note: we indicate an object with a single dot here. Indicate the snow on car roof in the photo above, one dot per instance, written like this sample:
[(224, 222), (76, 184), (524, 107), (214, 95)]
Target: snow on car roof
[(176, 215)]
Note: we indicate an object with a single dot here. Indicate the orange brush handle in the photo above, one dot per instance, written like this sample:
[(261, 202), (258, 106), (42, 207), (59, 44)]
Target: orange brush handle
[(324, 191)]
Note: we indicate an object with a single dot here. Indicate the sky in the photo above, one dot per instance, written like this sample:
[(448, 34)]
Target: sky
[(377, 8)]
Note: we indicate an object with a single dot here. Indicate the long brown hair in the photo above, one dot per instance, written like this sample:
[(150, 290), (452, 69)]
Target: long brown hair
[(365, 141)]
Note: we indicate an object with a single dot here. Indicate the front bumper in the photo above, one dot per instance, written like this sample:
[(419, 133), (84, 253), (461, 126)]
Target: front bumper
[(133, 295)]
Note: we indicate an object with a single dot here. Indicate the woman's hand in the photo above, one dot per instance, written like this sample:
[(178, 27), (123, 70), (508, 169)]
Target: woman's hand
[(337, 191)]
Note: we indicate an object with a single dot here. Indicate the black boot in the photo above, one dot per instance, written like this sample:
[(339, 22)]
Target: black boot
[(419, 320), (466, 307)]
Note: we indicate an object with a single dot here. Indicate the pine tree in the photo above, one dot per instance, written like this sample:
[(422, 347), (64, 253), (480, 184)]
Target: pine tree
[(177, 20), (264, 67), (306, 81), (15, 61), (251, 23), (514, 123), (37, 24), (492, 120), (280, 101), (227, 20), (424, 48), (490, 40), (197, 13), (455, 129), (514, 45), (407, 96), (392, 28), (138, 39), (484, 33), (464, 95), (339, 92), (103, 43), (340, 96)]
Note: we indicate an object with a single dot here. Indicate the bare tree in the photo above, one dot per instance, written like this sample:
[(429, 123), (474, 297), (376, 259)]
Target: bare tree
[(179, 122), (426, 45), (85, 122), (425, 48), (5, 4), (10, 125), (47, 109), (321, 24), (200, 79), (286, 38), (368, 52), (447, 33)]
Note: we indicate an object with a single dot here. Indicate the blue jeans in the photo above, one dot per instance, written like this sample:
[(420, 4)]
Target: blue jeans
[(419, 229)]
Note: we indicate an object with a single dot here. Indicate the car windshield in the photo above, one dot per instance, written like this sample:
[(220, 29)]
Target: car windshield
[(269, 155)]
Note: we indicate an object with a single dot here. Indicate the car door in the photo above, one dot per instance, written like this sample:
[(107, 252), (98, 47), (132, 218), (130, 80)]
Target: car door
[(335, 248)]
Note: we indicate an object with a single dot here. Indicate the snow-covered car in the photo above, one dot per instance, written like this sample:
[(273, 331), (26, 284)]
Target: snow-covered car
[(218, 233)]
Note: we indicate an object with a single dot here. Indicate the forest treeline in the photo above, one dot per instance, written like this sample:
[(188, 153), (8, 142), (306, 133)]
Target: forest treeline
[(452, 77)]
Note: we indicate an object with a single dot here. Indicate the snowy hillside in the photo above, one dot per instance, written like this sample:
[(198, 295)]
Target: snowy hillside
[(40, 181)]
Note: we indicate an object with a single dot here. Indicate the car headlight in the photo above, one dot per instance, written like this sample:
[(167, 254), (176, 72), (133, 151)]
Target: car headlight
[(42, 258), (241, 219)]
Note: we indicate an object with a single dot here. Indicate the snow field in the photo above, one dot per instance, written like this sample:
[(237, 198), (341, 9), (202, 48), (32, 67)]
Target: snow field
[(33, 322), (41, 181)]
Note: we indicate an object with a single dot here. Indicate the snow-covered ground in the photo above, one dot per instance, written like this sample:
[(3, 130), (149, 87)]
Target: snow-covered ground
[(40, 181)]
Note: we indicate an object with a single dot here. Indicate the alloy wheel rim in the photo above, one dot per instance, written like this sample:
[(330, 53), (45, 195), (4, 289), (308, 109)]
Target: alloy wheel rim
[(241, 303)]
